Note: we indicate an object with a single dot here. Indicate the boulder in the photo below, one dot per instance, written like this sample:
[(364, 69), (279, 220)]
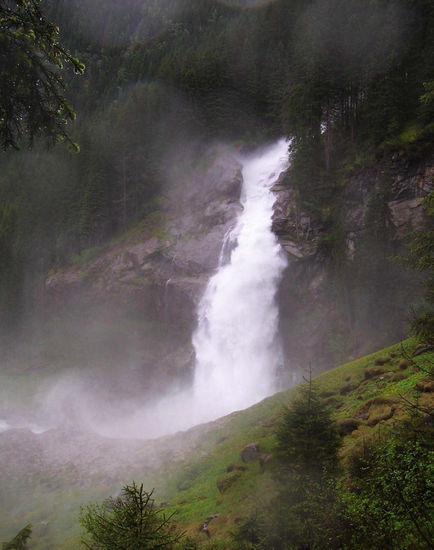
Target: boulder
[(226, 481), (250, 453)]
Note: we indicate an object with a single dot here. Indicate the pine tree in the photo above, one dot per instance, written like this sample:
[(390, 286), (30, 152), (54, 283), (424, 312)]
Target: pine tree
[(129, 521), (19, 542), (308, 440)]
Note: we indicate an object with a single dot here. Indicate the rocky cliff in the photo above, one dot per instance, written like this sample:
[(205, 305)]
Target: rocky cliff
[(141, 290), (132, 303), (329, 313)]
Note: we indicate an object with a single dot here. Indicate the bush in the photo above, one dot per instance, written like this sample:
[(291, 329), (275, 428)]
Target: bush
[(392, 502)]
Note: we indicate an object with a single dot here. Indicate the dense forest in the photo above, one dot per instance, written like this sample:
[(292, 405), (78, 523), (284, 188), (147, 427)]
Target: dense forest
[(347, 81)]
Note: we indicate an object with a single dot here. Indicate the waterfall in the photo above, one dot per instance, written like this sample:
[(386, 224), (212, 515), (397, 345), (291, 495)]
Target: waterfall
[(236, 340), (236, 345)]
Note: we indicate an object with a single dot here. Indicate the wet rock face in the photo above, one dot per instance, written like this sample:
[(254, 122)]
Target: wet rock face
[(174, 261), (143, 289), (409, 184), (311, 321)]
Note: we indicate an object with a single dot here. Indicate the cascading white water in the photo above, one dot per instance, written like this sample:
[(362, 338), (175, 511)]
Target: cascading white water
[(236, 344), (237, 351)]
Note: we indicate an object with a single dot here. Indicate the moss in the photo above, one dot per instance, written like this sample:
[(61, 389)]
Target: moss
[(411, 133), (84, 276), (86, 256)]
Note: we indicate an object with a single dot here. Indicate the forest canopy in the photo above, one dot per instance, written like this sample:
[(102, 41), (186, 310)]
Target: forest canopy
[(347, 80)]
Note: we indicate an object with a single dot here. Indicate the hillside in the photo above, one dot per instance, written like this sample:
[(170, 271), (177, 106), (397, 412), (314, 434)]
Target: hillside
[(367, 397)]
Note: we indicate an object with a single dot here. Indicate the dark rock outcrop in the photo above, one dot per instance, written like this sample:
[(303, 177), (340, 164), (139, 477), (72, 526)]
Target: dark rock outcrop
[(324, 318), (250, 453)]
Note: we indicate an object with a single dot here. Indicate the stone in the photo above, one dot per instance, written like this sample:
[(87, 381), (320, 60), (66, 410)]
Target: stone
[(226, 481), (250, 453), (263, 460)]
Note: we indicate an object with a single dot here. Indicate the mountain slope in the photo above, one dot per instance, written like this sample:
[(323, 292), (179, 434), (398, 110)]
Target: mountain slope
[(199, 474)]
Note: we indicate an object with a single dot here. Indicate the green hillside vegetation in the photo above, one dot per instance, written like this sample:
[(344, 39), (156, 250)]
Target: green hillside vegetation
[(368, 398), (380, 405)]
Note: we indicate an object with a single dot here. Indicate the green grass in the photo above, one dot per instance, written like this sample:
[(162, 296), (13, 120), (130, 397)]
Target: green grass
[(361, 387), (199, 497)]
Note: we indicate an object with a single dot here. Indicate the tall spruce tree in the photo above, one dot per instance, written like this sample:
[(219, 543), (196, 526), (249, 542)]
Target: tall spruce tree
[(307, 437)]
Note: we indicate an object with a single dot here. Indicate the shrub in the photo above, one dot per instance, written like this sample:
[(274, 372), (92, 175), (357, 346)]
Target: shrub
[(392, 503)]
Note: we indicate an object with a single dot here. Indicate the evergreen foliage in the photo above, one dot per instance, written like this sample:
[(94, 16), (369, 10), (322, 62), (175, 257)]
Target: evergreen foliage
[(31, 86), (307, 438), (19, 542), (391, 501), (306, 512), (130, 521), (420, 257)]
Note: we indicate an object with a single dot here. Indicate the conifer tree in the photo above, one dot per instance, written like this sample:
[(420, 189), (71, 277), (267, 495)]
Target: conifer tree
[(19, 542), (130, 521), (307, 437)]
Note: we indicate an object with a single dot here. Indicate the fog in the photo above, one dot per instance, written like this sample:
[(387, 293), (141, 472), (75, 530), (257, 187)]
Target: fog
[(104, 366), (236, 343), (326, 30)]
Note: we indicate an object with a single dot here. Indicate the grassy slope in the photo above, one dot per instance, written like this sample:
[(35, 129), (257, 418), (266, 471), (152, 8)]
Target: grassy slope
[(368, 393), (361, 391)]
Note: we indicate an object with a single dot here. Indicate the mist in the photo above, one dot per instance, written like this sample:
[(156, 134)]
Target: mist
[(236, 349)]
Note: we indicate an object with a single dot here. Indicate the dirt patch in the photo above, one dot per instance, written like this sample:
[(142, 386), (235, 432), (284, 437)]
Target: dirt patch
[(384, 413), (325, 394), (424, 386), (226, 481), (346, 389), (364, 410)]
